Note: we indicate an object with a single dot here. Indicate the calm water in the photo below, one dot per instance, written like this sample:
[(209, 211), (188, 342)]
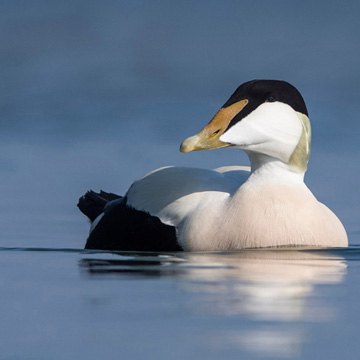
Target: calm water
[(75, 304), (96, 94)]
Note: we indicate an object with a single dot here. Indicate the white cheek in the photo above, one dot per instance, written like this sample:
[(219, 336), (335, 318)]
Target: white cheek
[(274, 124), (242, 134)]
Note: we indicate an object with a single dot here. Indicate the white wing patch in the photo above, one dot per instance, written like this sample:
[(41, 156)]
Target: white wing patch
[(172, 193)]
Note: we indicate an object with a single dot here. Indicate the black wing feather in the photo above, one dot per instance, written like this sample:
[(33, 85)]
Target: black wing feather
[(92, 204)]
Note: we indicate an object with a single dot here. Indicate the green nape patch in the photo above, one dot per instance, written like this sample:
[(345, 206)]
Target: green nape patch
[(300, 157)]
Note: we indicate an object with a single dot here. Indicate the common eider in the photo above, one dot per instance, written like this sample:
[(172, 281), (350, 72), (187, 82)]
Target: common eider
[(229, 208)]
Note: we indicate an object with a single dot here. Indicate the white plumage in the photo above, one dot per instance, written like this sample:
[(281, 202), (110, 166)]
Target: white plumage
[(237, 207)]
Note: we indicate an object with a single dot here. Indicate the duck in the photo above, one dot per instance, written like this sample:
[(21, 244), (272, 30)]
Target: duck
[(232, 207)]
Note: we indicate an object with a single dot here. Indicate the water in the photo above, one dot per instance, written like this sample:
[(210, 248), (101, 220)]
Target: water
[(96, 95), (252, 304)]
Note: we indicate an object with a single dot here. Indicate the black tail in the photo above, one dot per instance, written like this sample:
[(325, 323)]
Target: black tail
[(92, 204)]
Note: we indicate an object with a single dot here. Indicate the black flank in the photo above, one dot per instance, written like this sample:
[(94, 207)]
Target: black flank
[(125, 228)]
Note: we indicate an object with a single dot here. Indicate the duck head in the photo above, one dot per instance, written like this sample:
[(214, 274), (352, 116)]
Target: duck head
[(266, 117)]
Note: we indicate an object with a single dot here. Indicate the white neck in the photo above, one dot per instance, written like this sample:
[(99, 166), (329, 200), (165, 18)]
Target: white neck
[(266, 169)]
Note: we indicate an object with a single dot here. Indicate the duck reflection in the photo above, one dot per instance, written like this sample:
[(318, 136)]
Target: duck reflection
[(276, 289), (265, 285), (272, 291)]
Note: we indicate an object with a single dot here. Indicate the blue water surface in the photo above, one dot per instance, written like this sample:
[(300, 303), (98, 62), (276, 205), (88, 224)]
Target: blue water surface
[(249, 304)]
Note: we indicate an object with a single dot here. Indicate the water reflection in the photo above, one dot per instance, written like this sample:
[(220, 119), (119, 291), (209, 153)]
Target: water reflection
[(139, 264), (265, 285), (275, 289), (275, 292)]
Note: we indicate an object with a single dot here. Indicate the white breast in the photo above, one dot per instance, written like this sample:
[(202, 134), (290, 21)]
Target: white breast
[(219, 210), (263, 216)]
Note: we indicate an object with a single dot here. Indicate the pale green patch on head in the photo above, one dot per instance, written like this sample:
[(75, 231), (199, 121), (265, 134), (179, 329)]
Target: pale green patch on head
[(300, 157)]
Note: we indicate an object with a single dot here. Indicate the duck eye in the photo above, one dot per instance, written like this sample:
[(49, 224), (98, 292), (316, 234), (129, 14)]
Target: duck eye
[(271, 99)]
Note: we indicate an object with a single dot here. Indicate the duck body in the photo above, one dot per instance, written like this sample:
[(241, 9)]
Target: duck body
[(229, 208)]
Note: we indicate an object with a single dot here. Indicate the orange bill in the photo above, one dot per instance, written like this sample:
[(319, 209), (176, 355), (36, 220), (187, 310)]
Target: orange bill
[(209, 137)]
